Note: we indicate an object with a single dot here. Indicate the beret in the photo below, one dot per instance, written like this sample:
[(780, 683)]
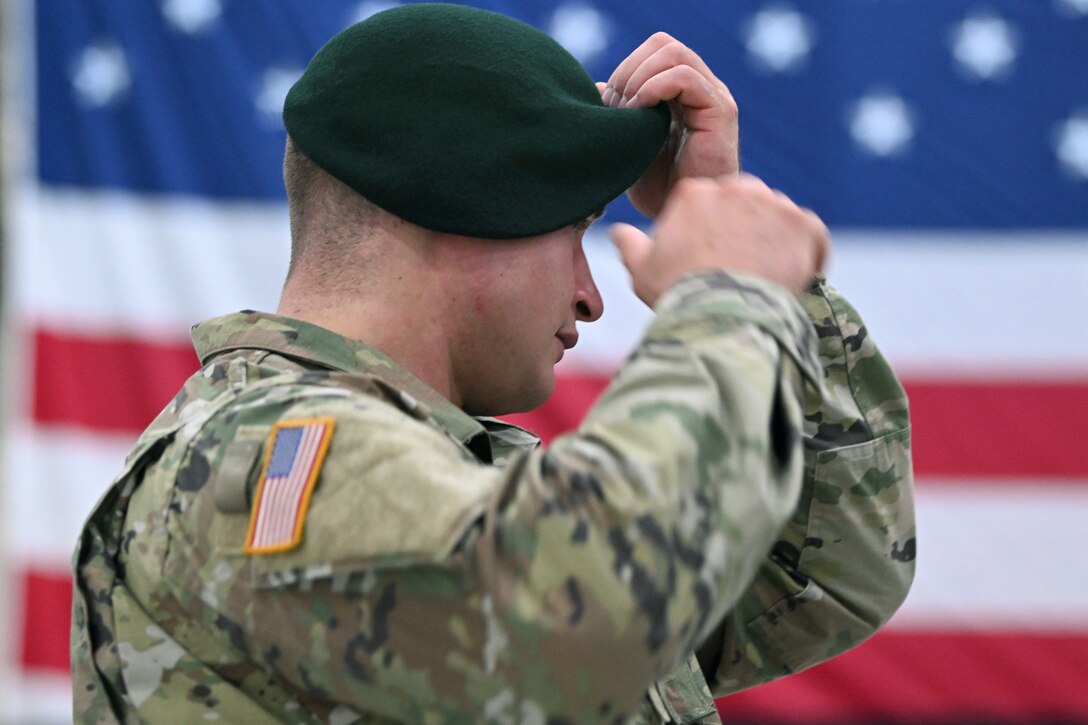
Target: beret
[(469, 122)]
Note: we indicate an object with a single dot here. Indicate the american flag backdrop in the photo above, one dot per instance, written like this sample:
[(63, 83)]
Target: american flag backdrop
[(944, 141)]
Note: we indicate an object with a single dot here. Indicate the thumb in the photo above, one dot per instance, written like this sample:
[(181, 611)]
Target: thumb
[(634, 246)]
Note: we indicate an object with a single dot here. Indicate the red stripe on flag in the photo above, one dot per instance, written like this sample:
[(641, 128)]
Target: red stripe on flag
[(982, 430), (932, 677), (115, 384), (47, 611), (1002, 429), (987, 430)]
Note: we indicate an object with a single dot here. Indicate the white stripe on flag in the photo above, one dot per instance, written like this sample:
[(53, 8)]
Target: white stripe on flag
[(107, 261), (36, 697), (997, 556), (937, 303), (56, 477), (78, 244)]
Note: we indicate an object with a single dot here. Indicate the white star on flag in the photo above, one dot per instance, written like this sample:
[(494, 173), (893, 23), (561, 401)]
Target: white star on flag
[(984, 46), (1072, 8), (882, 124), (373, 7), (581, 29), (273, 91), (778, 38), (1071, 145), (101, 74), (191, 16)]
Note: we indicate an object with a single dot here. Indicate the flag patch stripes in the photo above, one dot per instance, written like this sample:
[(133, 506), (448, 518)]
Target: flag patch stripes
[(295, 452)]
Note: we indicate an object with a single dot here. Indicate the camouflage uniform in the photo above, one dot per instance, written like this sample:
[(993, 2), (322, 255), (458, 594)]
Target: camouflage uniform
[(451, 570)]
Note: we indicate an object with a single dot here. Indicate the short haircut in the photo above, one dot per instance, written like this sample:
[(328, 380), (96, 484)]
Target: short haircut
[(327, 217)]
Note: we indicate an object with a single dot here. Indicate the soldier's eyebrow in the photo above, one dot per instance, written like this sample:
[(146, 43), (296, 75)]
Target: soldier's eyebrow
[(588, 221)]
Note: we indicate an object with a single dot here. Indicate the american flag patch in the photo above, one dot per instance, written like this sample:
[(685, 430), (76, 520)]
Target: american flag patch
[(296, 450)]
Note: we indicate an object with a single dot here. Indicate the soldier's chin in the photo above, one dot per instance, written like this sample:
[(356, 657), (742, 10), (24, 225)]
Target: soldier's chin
[(526, 398), (541, 395)]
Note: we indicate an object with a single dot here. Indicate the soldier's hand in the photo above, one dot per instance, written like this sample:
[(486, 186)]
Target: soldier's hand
[(703, 138), (736, 223)]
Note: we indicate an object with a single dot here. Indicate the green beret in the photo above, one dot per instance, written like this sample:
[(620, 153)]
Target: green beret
[(465, 121)]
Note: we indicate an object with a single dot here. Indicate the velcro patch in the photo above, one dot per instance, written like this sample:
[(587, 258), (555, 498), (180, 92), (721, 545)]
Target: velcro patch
[(295, 451)]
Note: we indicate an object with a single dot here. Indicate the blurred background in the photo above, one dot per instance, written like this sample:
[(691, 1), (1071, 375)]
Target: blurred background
[(944, 141)]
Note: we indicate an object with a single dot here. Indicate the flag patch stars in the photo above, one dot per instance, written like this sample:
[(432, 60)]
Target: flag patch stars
[(295, 451)]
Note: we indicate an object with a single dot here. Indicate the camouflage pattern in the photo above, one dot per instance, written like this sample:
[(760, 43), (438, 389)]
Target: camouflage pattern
[(844, 562), (451, 570)]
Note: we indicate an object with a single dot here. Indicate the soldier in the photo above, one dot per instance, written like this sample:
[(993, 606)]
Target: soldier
[(324, 526)]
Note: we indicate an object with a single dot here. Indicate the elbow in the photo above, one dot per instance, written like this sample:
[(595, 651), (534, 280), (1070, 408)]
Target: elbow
[(896, 572), (876, 546), (898, 578), (886, 583), (887, 586)]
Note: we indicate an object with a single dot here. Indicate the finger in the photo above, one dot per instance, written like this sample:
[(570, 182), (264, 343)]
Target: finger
[(659, 53), (752, 183), (601, 88), (627, 66), (633, 244), (672, 55), (789, 203), (686, 86)]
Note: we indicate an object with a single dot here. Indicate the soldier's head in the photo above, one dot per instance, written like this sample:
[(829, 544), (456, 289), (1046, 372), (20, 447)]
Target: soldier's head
[(505, 310), (479, 146)]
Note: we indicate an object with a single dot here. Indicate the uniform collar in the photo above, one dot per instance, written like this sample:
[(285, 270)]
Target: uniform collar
[(310, 344)]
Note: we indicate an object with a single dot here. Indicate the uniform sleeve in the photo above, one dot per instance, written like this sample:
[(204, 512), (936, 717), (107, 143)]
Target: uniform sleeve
[(430, 586), (844, 562)]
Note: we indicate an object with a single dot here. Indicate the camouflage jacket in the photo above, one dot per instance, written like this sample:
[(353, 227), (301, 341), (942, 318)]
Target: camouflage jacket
[(742, 491)]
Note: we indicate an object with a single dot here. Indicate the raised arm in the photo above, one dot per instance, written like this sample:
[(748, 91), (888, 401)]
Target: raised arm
[(844, 562), (847, 552)]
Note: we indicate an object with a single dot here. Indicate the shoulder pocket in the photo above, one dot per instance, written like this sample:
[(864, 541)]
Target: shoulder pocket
[(392, 492)]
